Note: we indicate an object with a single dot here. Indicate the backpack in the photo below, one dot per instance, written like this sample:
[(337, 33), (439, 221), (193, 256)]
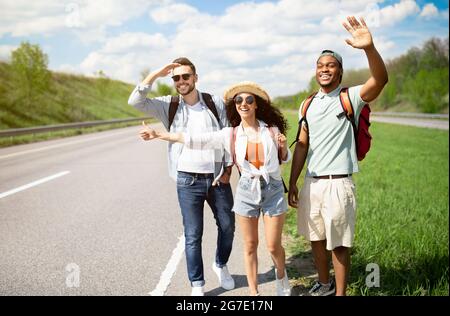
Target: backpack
[(233, 151), (361, 133), (175, 101)]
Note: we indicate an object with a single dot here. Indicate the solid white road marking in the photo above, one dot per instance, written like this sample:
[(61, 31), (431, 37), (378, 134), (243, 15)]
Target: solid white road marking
[(32, 184), (171, 267)]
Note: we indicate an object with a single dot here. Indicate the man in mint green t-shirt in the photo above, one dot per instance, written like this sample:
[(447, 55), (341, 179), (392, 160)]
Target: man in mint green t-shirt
[(326, 204)]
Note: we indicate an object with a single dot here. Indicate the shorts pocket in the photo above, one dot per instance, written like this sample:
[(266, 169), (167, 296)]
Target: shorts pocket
[(275, 184)]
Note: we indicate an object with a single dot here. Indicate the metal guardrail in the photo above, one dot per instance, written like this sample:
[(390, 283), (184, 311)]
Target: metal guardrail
[(52, 128), (412, 115)]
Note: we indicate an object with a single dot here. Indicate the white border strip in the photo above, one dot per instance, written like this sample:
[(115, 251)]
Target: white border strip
[(171, 267), (32, 184)]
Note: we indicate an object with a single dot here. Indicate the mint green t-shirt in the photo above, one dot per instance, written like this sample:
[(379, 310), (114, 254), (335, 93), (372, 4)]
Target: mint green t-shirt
[(332, 149)]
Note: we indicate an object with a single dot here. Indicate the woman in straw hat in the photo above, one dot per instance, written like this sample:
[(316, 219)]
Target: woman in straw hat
[(257, 145)]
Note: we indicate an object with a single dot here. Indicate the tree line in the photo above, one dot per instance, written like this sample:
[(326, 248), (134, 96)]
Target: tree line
[(418, 81)]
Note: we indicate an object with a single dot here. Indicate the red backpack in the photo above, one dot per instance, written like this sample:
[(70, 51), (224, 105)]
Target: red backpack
[(363, 138)]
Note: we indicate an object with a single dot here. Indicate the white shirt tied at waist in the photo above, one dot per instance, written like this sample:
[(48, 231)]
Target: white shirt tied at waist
[(255, 175), (222, 139)]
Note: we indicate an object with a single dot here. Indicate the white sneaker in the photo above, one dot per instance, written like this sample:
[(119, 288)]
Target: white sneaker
[(283, 287), (225, 279), (197, 291)]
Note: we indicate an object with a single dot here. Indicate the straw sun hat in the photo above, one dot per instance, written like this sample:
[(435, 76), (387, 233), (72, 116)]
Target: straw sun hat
[(247, 87)]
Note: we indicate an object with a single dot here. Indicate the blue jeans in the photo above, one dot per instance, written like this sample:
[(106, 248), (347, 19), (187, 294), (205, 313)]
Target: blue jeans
[(193, 190)]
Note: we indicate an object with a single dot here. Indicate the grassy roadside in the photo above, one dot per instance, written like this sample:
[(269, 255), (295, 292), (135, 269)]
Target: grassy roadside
[(402, 216), (69, 98)]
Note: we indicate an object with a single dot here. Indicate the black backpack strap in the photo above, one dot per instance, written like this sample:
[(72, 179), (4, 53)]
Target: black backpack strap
[(303, 110), (174, 102), (211, 106)]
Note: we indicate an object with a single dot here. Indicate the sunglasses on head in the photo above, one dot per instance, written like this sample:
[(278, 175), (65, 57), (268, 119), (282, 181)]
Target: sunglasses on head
[(184, 76), (249, 100)]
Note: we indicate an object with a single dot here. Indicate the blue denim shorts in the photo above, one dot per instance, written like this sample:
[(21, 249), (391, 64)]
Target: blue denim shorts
[(273, 201)]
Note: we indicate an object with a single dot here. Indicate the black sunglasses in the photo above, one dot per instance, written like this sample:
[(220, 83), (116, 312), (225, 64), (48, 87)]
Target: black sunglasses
[(185, 77), (249, 100)]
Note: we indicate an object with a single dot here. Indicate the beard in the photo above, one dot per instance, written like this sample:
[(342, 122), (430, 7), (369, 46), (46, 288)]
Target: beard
[(190, 89)]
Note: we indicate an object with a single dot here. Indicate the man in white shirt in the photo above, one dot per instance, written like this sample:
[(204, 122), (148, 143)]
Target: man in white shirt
[(201, 175)]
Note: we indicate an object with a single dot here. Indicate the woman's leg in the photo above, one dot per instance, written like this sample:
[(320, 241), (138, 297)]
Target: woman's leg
[(249, 229), (273, 227)]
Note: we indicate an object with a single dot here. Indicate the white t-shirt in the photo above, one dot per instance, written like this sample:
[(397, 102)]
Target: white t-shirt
[(194, 160)]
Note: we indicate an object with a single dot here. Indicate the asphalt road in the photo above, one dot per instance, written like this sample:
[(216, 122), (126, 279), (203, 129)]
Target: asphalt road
[(97, 214), (418, 122)]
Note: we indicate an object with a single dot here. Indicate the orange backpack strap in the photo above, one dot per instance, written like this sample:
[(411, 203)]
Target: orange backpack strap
[(346, 103), (303, 110), (306, 105)]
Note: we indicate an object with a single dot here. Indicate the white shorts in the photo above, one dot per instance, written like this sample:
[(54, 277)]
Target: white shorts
[(327, 211)]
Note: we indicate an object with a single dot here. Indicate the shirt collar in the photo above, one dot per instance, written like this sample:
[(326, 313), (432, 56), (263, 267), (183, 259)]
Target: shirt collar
[(333, 93), (200, 98), (262, 125)]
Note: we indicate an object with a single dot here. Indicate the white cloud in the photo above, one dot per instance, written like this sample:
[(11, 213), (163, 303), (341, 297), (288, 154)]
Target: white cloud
[(393, 14), (44, 17), (273, 43), (5, 52), (125, 56), (174, 13), (429, 11)]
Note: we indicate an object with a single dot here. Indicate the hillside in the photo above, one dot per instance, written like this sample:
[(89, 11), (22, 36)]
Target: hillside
[(69, 98)]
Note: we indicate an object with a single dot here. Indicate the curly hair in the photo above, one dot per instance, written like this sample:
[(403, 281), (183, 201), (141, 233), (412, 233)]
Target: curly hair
[(265, 112)]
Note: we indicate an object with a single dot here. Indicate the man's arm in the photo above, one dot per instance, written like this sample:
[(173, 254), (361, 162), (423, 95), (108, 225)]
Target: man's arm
[(163, 72), (148, 133), (298, 161), (156, 107), (362, 39)]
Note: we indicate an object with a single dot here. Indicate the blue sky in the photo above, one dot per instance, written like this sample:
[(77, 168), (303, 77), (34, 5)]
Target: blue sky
[(274, 43)]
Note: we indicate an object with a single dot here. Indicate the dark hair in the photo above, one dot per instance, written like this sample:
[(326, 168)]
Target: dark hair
[(185, 62), (265, 112)]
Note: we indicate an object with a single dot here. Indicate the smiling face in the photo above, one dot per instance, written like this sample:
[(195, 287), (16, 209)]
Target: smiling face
[(245, 104), (184, 85), (328, 72)]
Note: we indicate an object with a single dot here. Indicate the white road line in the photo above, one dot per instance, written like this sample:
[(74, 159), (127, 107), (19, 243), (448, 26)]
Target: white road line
[(32, 184), (61, 145), (171, 267)]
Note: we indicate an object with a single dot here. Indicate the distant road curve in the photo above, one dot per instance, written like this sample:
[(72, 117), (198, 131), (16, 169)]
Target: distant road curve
[(412, 121), (438, 121)]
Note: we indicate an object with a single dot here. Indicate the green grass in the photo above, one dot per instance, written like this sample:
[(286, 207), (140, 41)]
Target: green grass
[(402, 214), (69, 98)]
